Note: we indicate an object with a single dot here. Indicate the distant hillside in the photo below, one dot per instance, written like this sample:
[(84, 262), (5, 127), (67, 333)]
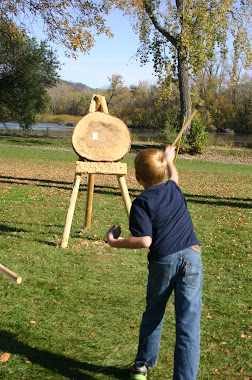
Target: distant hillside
[(80, 87)]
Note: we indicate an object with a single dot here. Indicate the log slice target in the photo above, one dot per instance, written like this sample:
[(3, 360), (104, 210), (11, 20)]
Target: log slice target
[(101, 137)]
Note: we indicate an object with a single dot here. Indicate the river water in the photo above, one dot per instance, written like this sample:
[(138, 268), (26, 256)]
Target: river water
[(61, 130), (65, 131)]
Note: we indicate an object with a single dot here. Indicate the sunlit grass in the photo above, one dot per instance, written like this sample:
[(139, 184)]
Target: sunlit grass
[(77, 312)]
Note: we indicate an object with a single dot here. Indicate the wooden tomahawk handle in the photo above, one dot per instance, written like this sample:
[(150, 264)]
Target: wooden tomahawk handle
[(188, 122), (7, 272)]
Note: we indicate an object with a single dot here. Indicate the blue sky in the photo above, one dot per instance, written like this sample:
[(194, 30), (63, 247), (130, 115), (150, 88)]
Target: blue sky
[(108, 56)]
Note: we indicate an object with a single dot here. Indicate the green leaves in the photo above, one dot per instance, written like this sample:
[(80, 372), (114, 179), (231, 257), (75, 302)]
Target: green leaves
[(27, 69), (71, 23)]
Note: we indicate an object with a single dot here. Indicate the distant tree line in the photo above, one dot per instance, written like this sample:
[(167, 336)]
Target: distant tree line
[(179, 37), (228, 101), (29, 85)]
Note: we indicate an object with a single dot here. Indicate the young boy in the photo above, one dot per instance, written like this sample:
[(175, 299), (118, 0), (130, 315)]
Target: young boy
[(160, 221)]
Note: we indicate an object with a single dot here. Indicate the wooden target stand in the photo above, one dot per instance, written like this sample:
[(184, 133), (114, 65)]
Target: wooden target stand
[(101, 121)]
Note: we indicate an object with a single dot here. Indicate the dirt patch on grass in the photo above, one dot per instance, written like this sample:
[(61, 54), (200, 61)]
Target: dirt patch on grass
[(55, 172), (225, 155), (213, 153), (63, 172)]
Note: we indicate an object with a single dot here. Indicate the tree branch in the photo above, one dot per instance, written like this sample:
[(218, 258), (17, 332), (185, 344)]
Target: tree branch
[(163, 31)]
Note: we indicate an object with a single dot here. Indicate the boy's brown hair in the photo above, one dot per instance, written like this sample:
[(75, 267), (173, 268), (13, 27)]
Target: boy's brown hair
[(150, 166)]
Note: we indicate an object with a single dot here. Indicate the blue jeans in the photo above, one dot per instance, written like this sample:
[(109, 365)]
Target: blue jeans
[(181, 272)]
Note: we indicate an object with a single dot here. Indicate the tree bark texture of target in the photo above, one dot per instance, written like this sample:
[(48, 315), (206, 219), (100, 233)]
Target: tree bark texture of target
[(101, 137)]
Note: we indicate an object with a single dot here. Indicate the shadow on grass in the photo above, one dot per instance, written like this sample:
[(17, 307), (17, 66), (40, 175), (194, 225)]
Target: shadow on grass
[(99, 189), (58, 364), (8, 229), (38, 182), (62, 185), (214, 200)]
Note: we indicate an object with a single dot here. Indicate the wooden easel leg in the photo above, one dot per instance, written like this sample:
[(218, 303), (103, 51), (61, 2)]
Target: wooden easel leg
[(90, 196), (70, 212), (125, 193)]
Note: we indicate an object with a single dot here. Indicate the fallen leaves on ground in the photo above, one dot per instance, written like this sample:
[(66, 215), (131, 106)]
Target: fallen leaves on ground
[(5, 357)]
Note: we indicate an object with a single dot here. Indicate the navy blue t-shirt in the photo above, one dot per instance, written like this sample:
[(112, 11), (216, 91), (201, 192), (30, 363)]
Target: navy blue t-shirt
[(161, 213)]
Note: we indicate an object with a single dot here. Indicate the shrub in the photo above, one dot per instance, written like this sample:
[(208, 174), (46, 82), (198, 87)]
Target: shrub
[(199, 138), (168, 134)]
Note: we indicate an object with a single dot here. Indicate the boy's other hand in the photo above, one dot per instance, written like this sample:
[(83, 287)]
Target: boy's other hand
[(169, 154), (113, 233)]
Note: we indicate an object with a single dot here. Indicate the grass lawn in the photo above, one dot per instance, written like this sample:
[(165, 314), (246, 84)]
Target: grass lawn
[(77, 312)]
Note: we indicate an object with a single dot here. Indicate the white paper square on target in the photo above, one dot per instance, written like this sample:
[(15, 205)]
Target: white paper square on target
[(95, 135)]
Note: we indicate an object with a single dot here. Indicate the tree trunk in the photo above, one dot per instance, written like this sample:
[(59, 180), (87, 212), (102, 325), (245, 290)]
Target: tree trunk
[(184, 87)]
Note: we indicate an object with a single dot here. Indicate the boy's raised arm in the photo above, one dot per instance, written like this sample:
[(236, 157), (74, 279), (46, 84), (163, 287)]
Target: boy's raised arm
[(169, 157)]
